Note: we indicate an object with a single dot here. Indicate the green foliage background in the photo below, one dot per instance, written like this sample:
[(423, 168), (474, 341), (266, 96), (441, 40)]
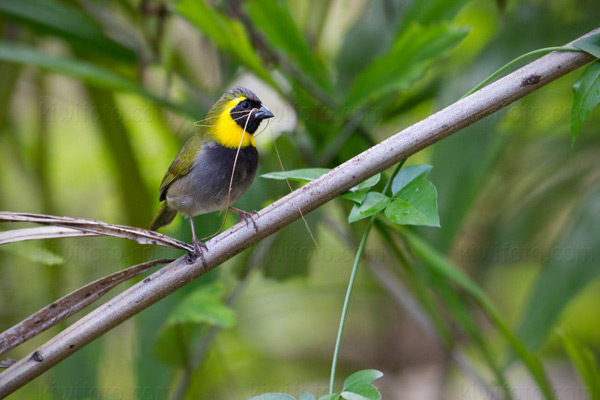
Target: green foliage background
[(97, 97)]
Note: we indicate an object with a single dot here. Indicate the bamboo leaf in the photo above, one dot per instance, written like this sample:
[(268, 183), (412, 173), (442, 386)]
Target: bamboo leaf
[(408, 59), (60, 19), (432, 11), (571, 268)]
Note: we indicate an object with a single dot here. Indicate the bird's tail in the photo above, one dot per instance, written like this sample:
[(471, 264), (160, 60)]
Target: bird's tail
[(164, 217)]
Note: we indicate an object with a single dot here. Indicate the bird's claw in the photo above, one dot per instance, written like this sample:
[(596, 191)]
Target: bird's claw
[(199, 249), (249, 217)]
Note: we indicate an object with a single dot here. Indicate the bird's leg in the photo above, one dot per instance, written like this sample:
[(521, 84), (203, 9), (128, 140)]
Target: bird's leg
[(246, 216), (199, 247)]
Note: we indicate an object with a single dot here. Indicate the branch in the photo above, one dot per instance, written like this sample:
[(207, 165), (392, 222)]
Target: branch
[(86, 227), (44, 232), (285, 211), (68, 305)]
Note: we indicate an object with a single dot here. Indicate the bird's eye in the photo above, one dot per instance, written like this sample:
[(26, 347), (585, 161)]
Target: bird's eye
[(245, 105)]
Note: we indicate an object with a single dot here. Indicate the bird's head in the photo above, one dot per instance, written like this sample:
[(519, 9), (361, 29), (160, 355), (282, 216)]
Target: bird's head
[(235, 117)]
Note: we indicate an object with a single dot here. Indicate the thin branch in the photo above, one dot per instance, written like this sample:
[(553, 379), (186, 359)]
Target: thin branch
[(69, 305), (89, 226), (285, 211), (42, 232)]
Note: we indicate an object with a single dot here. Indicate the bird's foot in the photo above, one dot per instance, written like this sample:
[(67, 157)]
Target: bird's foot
[(247, 216), (199, 249)]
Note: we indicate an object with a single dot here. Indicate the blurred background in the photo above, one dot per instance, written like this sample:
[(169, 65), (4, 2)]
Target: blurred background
[(96, 98)]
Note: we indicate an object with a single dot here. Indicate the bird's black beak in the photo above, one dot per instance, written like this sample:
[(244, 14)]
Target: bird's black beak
[(263, 113)]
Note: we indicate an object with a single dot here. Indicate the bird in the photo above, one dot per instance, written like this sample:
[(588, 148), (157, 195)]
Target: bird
[(201, 178)]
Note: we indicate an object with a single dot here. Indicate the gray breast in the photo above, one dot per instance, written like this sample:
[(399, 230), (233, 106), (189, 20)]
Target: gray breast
[(205, 188)]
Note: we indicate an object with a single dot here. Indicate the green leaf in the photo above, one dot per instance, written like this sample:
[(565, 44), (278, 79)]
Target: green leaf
[(228, 34), (409, 174), (358, 193), (432, 11), (273, 396), (364, 376), (587, 97), (369, 183), (204, 305), (585, 363), (572, 266), (60, 19), (357, 197), (408, 59), (81, 70), (300, 175), (306, 396), (372, 204), (361, 391), (589, 44), (273, 18), (34, 253), (415, 204)]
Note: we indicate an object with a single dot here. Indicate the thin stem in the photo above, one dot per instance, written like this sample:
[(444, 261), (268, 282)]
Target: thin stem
[(359, 252), (516, 60)]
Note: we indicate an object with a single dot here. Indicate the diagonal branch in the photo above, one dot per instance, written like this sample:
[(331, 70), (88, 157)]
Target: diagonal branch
[(283, 212)]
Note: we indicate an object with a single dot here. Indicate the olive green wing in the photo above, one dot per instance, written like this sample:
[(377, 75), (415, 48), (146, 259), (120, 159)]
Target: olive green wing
[(183, 163)]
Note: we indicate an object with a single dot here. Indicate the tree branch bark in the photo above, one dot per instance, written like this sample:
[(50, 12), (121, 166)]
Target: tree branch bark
[(283, 212)]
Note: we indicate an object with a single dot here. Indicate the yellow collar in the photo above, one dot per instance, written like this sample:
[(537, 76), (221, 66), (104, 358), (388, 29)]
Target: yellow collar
[(227, 132)]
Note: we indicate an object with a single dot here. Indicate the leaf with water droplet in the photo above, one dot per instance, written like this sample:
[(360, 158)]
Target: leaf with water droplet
[(415, 204)]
